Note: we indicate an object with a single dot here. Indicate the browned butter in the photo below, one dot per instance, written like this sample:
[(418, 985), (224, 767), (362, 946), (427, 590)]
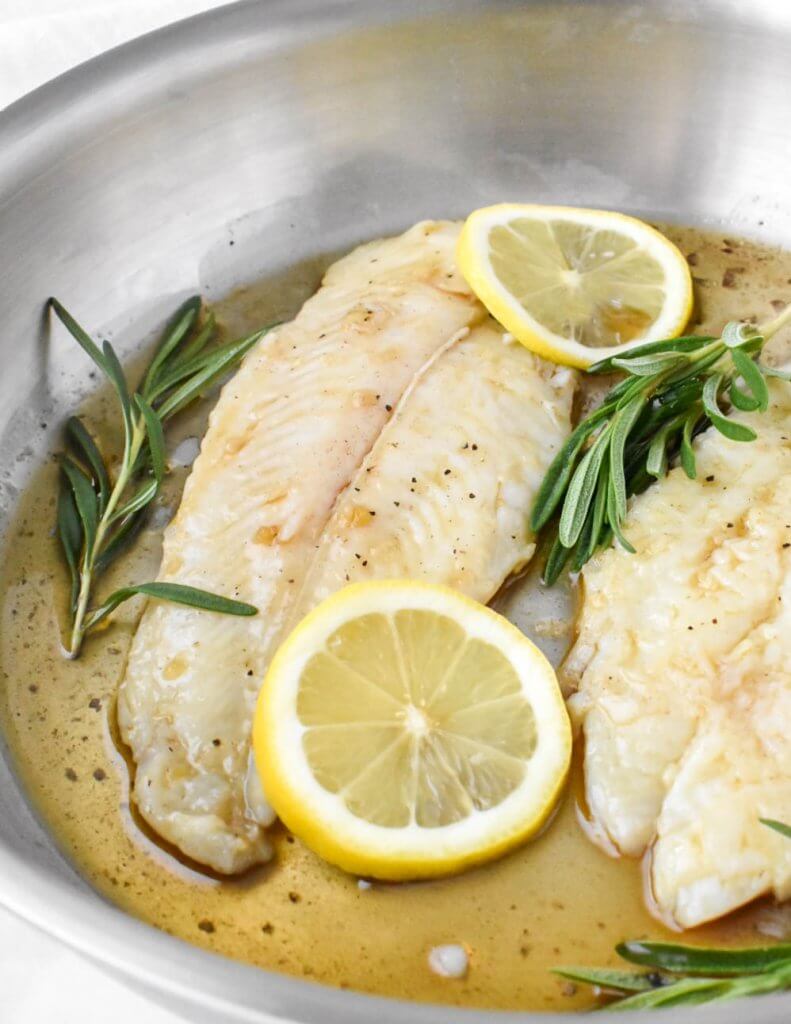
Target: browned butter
[(558, 900)]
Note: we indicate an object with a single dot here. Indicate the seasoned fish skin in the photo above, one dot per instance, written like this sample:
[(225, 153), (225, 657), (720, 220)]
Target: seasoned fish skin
[(682, 666), (285, 438)]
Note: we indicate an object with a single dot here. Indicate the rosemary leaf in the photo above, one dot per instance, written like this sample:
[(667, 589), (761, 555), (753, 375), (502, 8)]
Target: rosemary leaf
[(778, 826), (622, 425), (80, 336), (693, 991), (70, 534), (752, 377), (686, 992), (156, 439), (614, 521), (115, 374), (174, 592), (590, 538), (656, 460), (86, 447), (706, 360), (556, 562), (687, 451), (198, 343), (559, 473), (677, 397), (119, 540), (197, 384), (183, 369), (85, 499), (734, 431), (605, 978), (695, 960), (586, 539), (740, 399), (650, 365), (580, 491), (727, 427), (177, 329), (687, 343), (144, 496)]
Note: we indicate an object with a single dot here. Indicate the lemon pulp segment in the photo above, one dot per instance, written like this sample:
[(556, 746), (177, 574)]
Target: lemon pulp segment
[(575, 285), (405, 730)]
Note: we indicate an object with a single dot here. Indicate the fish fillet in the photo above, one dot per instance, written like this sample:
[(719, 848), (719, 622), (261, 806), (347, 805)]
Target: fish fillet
[(411, 447), (682, 665), (285, 438), (445, 493)]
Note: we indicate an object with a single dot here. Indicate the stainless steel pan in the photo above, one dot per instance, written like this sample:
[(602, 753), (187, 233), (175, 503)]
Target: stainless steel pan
[(296, 127)]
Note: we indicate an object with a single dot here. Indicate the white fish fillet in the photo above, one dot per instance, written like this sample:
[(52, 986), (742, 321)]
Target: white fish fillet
[(445, 493), (286, 436), (257, 521), (265, 516), (683, 669)]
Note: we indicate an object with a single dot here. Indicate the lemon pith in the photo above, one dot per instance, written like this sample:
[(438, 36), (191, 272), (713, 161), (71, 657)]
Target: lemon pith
[(404, 731), (575, 285)]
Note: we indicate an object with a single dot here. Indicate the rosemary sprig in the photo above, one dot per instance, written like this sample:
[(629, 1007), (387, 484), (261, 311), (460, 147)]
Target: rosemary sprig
[(673, 390), (98, 515), (687, 975)]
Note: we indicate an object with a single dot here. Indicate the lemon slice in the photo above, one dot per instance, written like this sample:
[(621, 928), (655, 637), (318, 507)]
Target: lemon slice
[(575, 285), (405, 731)]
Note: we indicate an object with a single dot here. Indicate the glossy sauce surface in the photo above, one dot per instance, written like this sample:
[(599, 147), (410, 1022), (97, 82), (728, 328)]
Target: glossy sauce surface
[(559, 900)]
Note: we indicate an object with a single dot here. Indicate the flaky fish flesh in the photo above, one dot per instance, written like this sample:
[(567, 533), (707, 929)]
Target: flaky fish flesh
[(682, 666), (445, 491), (336, 453)]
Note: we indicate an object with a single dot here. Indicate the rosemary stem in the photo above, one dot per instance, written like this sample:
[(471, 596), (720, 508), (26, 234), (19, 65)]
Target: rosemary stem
[(771, 328), (77, 630), (132, 450)]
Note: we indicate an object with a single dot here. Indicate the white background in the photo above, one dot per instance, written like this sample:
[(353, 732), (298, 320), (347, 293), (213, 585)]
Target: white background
[(39, 39), (42, 982)]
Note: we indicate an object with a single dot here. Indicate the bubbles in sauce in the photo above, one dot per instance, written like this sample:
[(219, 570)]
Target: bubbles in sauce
[(557, 900)]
